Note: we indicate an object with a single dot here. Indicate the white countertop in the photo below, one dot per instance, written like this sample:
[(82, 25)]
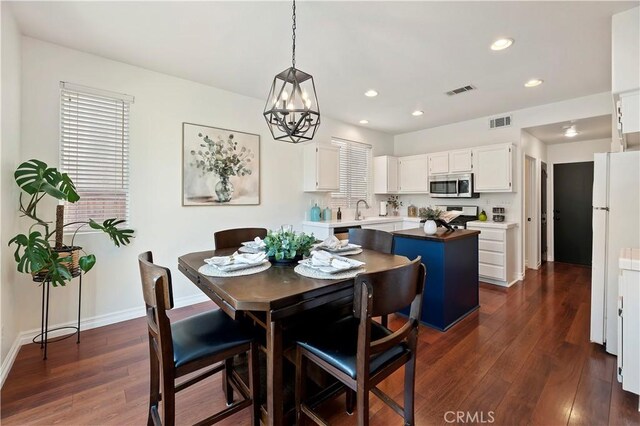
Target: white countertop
[(629, 259), (490, 224), (367, 220)]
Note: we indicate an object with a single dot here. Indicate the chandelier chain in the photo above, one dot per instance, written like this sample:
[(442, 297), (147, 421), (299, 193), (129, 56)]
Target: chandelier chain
[(293, 37)]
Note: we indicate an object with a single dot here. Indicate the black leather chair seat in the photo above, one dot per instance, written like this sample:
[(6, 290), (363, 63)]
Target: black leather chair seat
[(337, 344), (205, 334)]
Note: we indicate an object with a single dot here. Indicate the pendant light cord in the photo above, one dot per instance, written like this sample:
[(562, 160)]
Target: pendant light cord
[(293, 37)]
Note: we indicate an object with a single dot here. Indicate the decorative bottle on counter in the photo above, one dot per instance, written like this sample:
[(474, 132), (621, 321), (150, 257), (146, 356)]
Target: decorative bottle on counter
[(327, 214), (339, 214), (315, 213)]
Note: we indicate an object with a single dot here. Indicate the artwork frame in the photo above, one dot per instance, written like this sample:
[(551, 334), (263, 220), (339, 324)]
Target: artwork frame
[(220, 167)]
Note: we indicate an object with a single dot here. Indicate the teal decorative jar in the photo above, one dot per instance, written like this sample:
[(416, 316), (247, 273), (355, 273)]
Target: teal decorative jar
[(315, 213), (327, 214)]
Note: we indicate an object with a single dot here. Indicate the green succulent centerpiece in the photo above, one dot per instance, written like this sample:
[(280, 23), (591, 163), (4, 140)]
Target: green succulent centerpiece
[(225, 159), (288, 246), (36, 253)]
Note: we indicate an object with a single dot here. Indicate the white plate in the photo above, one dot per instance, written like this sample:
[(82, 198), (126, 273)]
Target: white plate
[(330, 269)]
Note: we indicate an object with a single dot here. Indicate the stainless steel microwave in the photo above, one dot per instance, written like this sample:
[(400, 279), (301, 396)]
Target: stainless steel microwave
[(452, 186)]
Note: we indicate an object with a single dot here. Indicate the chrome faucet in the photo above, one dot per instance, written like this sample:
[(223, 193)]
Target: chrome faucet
[(358, 208)]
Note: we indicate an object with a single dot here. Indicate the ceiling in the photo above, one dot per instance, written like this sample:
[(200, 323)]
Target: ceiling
[(410, 52), (588, 129)]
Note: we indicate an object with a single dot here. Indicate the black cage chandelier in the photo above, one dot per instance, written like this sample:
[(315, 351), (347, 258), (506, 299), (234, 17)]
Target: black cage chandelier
[(292, 110)]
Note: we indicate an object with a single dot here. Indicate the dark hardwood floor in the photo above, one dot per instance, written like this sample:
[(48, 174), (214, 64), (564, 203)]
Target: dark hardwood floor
[(523, 358)]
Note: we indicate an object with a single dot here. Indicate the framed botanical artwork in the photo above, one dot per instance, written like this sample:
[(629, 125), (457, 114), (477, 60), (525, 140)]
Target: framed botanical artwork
[(220, 167)]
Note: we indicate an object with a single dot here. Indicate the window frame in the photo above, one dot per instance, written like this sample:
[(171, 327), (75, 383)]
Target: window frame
[(127, 101), (350, 200)]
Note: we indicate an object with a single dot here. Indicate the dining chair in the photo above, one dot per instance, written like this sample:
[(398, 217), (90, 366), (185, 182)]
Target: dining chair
[(361, 353), (373, 239), (204, 342), (230, 238)]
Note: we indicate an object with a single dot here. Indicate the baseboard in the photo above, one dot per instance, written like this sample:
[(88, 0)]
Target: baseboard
[(107, 319), (498, 283), (25, 337), (7, 363)]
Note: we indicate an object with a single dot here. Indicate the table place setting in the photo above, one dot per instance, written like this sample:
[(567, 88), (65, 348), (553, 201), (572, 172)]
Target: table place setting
[(235, 265), (256, 246), (333, 245), (324, 265)]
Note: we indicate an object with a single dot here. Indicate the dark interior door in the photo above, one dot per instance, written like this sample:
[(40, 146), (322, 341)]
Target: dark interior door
[(543, 213), (572, 198)]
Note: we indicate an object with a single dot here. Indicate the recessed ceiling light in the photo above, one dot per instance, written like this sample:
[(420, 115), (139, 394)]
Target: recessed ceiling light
[(533, 82), (370, 93), (364, 121), (417, 113), (501, 43)]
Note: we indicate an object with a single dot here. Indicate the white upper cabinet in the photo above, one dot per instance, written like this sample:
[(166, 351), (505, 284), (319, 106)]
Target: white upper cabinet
[(439, 163), (321, 167), (625, 51), (460, 161), (385, 175), (412, 174), (629, 114), (493, 168)]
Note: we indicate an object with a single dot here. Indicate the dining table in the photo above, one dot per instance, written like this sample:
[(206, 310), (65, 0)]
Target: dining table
[(274, 298)]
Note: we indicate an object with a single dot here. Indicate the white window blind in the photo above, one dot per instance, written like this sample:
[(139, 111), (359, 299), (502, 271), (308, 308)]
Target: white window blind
[(355, 164), (94, 151)]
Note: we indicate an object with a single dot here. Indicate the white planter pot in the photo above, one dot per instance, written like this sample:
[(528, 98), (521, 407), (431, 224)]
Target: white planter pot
[(430, 227)]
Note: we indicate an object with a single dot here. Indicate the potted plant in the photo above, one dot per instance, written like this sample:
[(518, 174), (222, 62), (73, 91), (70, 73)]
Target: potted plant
[(36, 253), (287, 247), (395, 203), (431, 215), (225, 160)]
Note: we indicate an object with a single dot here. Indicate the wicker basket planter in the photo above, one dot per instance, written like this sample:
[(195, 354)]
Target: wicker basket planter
[(73, 266)]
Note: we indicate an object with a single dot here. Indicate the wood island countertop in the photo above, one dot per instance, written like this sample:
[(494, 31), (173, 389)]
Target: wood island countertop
[(442, 235)]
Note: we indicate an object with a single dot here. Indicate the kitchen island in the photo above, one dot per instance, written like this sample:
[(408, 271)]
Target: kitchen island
[(451, 257)]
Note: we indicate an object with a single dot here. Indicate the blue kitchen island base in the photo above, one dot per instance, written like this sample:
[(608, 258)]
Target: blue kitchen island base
[(451, 290)]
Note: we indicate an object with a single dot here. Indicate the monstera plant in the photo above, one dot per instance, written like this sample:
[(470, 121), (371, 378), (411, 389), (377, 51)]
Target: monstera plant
[(36, 253)]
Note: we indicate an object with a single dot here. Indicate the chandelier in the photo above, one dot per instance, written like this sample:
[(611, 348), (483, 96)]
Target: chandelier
[(292, 110)]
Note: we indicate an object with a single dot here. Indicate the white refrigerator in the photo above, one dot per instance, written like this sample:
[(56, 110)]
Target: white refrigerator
[(616, 225)]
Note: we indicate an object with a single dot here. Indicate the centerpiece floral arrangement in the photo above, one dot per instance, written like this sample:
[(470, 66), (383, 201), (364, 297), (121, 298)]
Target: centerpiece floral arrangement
[(225, 159), (287, 245)]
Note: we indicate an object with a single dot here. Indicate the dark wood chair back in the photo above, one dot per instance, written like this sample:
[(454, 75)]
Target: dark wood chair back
[(390, 290), (230, 238), (372, 239), (158, 298)]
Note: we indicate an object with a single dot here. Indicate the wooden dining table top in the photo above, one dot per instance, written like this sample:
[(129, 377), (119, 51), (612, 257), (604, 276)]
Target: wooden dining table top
[(278, 286)]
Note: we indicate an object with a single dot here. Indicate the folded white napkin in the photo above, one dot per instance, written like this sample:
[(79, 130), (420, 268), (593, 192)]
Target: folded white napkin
[(237, 261), (332, 243), (256, 243), (322, 258)]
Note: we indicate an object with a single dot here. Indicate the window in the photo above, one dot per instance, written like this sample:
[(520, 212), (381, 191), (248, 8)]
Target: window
[(94, 151), (355, 164)]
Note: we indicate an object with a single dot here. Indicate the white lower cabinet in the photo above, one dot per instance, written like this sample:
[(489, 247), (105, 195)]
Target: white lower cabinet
[(629, 320), (388, 226), (409, 224), (496, 252)]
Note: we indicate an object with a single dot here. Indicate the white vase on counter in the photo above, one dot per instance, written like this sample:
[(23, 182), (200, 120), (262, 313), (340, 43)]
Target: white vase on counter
[(430, 227)]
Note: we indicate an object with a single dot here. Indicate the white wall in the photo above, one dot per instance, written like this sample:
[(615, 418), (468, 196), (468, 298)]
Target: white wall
[(571, 152), (9, 153), (476, 132), (162, 225)]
